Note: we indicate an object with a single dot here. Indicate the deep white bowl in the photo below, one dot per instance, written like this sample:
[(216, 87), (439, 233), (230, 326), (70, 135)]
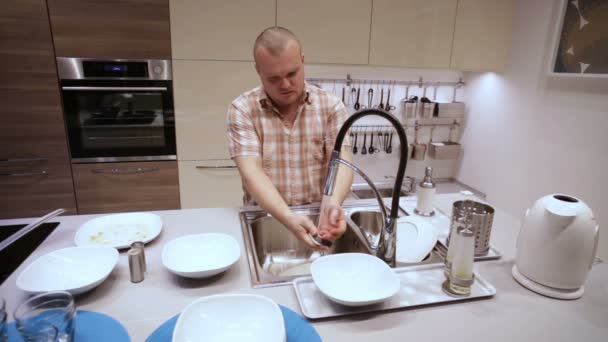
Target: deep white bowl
[(200, 255), (230, 317), (73, 269), (354, 279)]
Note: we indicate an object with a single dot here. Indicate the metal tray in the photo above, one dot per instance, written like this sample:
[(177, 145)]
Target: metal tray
[(420, 285)]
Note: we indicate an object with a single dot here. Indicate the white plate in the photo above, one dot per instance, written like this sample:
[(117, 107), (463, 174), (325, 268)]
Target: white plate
[(200, 255), (415, 239), (119, 230), (354, 279), (230, 317), (73, 269)]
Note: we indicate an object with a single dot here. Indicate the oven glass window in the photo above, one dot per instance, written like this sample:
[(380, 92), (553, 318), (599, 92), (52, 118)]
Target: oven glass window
[(119, 123)]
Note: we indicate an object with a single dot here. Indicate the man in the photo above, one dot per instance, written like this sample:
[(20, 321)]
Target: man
[(281, 135)]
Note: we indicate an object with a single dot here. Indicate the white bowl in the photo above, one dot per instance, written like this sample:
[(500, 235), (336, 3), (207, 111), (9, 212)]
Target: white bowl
[(200, 255), (230, 317), (119, 230), (416, 237), (354, 279), (73, 269)]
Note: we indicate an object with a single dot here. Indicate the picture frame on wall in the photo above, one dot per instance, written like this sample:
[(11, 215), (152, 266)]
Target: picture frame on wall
[(580, 39)]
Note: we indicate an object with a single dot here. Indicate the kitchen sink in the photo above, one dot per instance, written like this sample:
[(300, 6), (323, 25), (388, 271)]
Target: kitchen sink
[(363, 191), (275, 257)]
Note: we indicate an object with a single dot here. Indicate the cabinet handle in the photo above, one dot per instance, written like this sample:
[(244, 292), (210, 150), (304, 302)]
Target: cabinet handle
[(116, 88), (22, 160), (218, 167), (127, 137), (126, 171), (25, 174)]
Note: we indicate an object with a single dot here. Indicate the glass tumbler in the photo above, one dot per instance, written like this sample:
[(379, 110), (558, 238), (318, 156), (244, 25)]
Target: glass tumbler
[(47, 317), (3, 336)]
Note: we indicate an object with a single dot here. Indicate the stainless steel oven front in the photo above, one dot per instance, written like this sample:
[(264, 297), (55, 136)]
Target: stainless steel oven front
[(118, 110)]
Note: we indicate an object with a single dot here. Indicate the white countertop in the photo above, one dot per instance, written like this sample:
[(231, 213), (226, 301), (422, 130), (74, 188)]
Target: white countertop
[(513, 314)]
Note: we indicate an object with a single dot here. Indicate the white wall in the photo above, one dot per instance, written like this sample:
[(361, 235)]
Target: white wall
[(527, 135)]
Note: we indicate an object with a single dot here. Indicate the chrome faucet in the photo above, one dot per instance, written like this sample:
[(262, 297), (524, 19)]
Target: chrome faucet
[(387, 245)]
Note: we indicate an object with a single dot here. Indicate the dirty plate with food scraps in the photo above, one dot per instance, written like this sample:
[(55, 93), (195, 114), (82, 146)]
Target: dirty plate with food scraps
[(119, 230)]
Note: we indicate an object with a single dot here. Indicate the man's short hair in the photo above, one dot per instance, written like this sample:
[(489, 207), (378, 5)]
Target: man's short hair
[(275, 40)]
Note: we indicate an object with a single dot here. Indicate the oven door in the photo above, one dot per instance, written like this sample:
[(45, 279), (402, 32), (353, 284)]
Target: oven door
[(111, 121)]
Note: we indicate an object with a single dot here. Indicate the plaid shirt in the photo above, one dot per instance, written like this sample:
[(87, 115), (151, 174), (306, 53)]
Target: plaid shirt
[(295, 159)]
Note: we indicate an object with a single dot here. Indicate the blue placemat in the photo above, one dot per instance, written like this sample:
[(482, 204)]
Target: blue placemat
[(89, 326), (297, 328)]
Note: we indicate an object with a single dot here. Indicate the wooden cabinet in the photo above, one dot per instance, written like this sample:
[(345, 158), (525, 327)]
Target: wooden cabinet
[(482, 34), (412, 33), (203, 92), (35, 173), (210, 183), (218, 29), (330, 31), (121, 187), (111, 29)]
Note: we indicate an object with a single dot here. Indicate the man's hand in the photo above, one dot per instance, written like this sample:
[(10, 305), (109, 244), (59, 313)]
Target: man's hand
[(301, 226), (332, 223)]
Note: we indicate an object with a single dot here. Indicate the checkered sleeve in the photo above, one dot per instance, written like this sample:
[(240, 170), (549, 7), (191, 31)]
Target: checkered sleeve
[(242, 137)]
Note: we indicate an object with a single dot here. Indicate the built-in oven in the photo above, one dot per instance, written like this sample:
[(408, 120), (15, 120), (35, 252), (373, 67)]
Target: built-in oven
[(118, 110)]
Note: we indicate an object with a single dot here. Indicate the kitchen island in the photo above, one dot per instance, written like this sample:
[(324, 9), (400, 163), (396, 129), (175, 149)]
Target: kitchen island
[(513, 314)]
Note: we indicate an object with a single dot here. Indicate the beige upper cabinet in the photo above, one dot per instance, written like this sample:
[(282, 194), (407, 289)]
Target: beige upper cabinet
[(482, 34), (412, 33), (203, 91), (218, 29), (331, 31)]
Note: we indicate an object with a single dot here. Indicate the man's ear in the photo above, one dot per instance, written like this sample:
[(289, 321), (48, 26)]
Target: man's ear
[(302, 57)]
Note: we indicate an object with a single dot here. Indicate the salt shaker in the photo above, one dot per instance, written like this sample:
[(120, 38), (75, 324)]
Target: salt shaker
[(426, 194), (140, 245), (136, 264)]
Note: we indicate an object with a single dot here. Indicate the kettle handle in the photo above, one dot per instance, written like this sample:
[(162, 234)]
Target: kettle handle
[(597, 238)]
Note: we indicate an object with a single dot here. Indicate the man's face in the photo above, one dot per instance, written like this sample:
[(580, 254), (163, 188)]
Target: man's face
[(282, 76)]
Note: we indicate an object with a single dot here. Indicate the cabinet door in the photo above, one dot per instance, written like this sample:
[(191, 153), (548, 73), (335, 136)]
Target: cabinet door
[(330, 31), (203, 90), (210, 183), (218, 29), (482, 34), (111, 29), (121, 187), (35, 173), (412, 33)]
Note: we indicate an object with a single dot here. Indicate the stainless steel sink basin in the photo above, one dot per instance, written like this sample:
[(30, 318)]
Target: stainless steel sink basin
[(369, 193), (276, 257)]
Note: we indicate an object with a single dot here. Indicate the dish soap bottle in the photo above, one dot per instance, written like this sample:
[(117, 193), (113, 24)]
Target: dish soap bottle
[(426, 194)]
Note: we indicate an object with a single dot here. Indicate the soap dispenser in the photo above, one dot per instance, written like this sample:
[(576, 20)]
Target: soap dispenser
[(426, 194)]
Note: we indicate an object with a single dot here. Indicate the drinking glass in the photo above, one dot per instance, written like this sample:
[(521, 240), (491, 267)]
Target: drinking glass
[(2, 320), (47, 317)]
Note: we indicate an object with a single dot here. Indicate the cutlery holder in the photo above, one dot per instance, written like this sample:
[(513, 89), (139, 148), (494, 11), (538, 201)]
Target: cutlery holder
[(444, 150)]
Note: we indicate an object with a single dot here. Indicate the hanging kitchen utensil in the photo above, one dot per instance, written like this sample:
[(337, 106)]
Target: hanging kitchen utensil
[(357, 105), (385, 142), (389, 149), (343, 94), (388, 106), (363, 148), (370, 96), (355, 149), (381, 105), (371, 144), (376, 149)]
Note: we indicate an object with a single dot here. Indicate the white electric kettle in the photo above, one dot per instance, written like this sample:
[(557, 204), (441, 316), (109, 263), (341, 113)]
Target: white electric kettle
[(556, 247)]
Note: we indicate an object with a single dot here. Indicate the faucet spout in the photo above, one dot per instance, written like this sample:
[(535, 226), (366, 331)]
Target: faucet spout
[(386, 249)]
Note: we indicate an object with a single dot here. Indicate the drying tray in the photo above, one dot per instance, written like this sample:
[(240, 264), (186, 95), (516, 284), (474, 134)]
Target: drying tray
[(420, 285)]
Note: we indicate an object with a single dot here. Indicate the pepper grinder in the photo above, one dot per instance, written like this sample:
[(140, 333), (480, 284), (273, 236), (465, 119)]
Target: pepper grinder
[(426, 194)]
